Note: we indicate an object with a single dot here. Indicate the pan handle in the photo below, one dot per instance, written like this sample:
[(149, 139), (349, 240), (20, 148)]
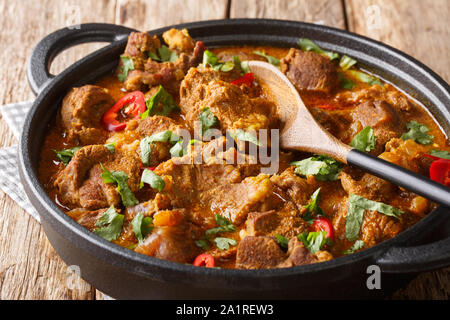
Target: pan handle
[(48, 48), (422, 258)]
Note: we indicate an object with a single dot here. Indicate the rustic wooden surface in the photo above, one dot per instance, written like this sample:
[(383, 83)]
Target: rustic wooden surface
[(29, 267)]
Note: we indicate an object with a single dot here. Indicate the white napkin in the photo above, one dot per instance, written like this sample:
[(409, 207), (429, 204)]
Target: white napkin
[(14, 115)]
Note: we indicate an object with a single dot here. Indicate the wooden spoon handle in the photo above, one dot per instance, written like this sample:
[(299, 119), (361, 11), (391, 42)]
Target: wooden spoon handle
[(400, 176)]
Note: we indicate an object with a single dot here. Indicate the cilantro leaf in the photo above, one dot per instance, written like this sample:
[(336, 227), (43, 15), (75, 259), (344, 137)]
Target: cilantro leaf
[(313, 241), (177, 149), (365, 140), (418, 133), (345, 82), (203, 243), (141, 226), (440, 154), (355, 213), (127, 65), (322, 167), (207, 119), (224, 243), (120, 178), (65, 155), (308, 45), (270, 59), (282, 241), (210, 59), (111, 147), (346, 62), (242, 67), (239, 134), (364, 77), (152, 179), (110, 224), (164, 55), (358, 245), (224, 225), (163, 136), (145, 151), (161, 104), (313, 207)]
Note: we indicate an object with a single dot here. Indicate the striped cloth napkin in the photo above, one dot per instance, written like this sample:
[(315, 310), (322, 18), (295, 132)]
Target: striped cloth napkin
[(14, 115)]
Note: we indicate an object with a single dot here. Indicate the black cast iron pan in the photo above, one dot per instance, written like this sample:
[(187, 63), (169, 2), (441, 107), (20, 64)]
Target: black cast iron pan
[(123, 273)]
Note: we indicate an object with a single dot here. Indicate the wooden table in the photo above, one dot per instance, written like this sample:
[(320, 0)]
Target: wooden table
[(29, 267)]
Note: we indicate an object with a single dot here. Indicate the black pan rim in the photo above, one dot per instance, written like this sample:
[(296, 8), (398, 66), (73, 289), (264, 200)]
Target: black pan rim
[(61, 217)]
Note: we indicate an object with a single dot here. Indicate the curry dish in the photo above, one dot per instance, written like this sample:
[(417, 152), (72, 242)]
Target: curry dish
[(118, 161)]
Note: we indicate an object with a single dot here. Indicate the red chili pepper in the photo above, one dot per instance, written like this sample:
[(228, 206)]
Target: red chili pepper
[(247, 79), (324, 224), (440, 171), (204, 260), (134, 104)]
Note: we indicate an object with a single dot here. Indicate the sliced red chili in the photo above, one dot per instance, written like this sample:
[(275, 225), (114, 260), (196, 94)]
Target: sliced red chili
[(247, 79), (324, 224), (204, 260), (132, 105), (326, 107), (440, 171)]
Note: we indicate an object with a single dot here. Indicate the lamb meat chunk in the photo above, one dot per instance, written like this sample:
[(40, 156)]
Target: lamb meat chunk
[(337, 122), (203, 89), (85, 217), (179, 40), (378, 227), (309, 71), (175, 243), (297, 255), (80, 183), (273, 222), (155, 124), (383, 119), (148, 208), (81, 113), (258, 253), (139, 45)]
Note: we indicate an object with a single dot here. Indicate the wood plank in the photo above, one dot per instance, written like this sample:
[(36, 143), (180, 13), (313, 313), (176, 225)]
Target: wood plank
[(29, 267), (420, 29), (327, 12), (152, 14)]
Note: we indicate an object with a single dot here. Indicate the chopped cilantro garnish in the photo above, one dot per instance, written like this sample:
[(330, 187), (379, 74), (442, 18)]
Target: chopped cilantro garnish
[(346, 62), (141, 226), (152, 179), (312, 208), (207, 119), (65, 155), (120, 178), (418, 133), (127, 65), (308, 45), (282, 241), (365, 140), (270, 59), (164, 54), (109, 224), (322, 167), (210, 59), (163, 136), (160, 104), (440, 154), (358, 245), (239, 134), (313, 241), (224, 243), (111, 147), (364, 77), (345, 82), (355, 213)]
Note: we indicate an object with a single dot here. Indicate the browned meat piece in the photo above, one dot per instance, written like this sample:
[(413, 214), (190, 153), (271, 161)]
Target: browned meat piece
[(383, 119), (265, 253), (378, 227), (156, 124), (310, 71), (367, 186), (337, 122), (139, 45), (148, 208), (148, 73), (175, 243), (297, 188), (81, 113), (271, 222), (179, 40), (86, 218), (258, 253), (80, 183), (202, 88)]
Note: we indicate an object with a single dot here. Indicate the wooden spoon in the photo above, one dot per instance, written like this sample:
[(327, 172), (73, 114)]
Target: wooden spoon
[(302, 132)]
